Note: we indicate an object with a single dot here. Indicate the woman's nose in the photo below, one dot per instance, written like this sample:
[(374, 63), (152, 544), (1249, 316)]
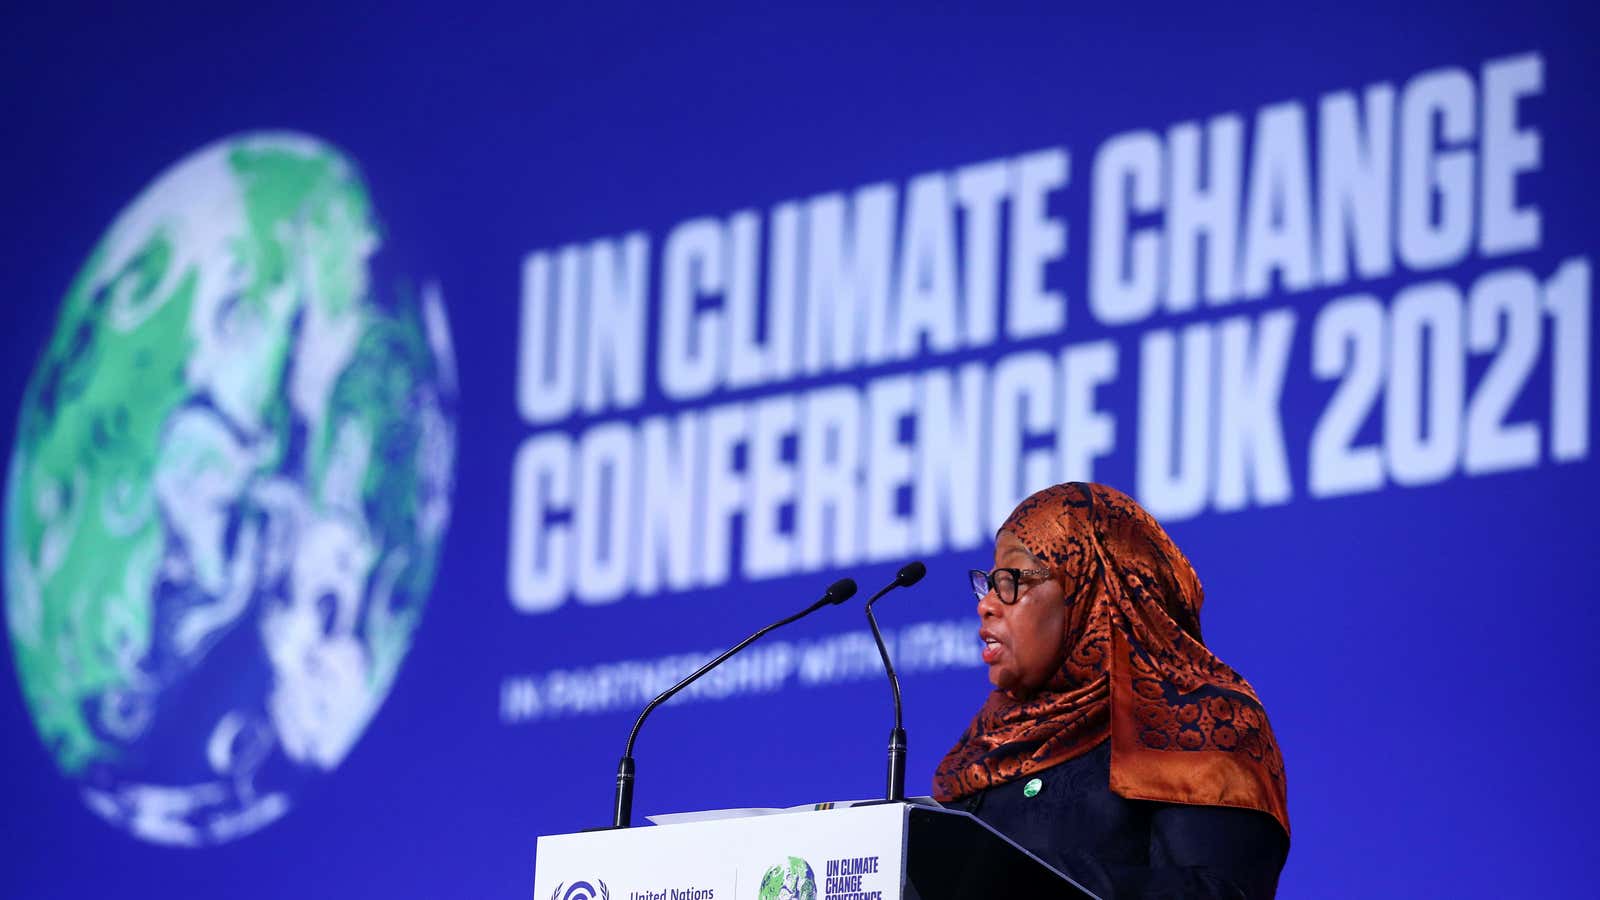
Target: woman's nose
[(989, 605)]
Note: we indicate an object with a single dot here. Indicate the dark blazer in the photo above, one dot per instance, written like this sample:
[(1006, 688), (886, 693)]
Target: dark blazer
[(1117, 847)]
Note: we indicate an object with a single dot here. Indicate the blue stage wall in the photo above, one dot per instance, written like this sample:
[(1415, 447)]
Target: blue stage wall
[(396, 397)]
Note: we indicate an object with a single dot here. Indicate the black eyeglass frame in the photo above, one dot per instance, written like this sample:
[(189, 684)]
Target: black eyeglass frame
[(983, 582)]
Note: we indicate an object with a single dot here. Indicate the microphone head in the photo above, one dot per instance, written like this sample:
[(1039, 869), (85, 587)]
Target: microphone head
[(910, 574), (840, 591)]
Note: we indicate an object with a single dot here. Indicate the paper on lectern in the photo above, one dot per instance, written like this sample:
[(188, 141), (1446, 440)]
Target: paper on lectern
[(711, 815)]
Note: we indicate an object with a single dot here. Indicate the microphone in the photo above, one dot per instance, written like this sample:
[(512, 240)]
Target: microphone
[(909, 574), (622, 805)]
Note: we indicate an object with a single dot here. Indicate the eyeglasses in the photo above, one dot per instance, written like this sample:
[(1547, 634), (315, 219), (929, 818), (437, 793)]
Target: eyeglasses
[(1002, 581)]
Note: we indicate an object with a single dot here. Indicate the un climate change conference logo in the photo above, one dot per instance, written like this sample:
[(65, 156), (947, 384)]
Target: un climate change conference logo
[(792, 880), (230, 484)]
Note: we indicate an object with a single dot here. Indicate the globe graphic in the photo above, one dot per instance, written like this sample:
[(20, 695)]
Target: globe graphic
[(229, 487), (791, 880)]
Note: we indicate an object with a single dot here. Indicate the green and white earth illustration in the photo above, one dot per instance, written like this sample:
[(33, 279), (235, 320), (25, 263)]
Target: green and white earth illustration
[(229, 488), (793, 880)]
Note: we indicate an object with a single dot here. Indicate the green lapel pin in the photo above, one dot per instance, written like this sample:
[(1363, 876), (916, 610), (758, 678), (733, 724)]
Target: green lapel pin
[(1032, 788)]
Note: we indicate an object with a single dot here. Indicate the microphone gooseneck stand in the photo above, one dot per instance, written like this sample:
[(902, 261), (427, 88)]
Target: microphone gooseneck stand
[(909, 574), (622, 802)]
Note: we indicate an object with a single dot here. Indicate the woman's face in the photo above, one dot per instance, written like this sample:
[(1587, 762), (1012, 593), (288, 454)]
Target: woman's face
[(1023, 643)]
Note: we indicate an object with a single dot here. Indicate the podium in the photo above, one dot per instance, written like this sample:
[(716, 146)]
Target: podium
[(888, 851)]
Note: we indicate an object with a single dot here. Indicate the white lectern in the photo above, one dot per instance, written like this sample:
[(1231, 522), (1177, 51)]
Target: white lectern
[(889, 851)]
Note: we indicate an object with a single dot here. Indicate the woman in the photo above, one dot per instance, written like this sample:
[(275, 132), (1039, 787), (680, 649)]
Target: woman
[(1116, 747)]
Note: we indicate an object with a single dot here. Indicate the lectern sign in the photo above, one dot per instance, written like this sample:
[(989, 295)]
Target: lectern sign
[(846, 854)]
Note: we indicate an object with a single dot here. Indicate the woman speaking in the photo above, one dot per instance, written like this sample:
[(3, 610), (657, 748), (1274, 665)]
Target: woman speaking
[(1115, 747)]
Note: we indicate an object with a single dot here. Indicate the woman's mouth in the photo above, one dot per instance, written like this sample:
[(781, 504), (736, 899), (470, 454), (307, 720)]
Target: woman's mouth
[(991, 647)]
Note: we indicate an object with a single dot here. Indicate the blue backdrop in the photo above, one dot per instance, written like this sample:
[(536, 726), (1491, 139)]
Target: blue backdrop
[(1385, 496)]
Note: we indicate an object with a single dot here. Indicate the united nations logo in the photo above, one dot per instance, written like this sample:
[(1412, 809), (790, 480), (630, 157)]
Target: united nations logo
[(582, 890), (229, 487), (790, 880)]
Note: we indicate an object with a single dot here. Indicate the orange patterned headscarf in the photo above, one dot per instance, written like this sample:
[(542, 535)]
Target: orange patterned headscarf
[(1184, 727)]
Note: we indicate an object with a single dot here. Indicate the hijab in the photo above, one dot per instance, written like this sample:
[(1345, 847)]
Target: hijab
[(1183, 726)]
